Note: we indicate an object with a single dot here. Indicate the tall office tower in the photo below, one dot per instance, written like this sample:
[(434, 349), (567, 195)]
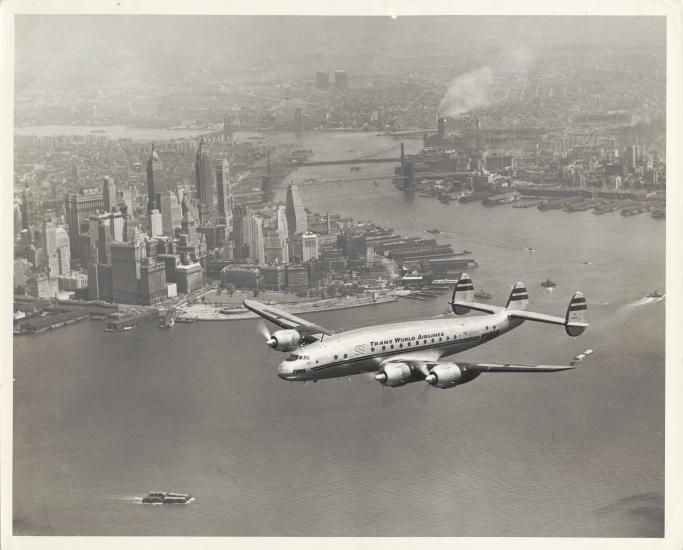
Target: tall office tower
[(126, 261), (153, 172), (227, 128), (309, 246), (171, 214), (116, 223), (63, 250), (281, 220), (223, 191), (109, 194), (239, 213), (17, 220), (341, 80), (26, 207), (152, 281), (205, 193), (155, 223), (50, 254), (252, 231), (296, 214), (78, 209), (276, 248), (190, 243), (322, 80), (127, 200)]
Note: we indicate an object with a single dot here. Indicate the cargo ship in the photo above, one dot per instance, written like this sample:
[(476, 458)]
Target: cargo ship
[(158, 497)]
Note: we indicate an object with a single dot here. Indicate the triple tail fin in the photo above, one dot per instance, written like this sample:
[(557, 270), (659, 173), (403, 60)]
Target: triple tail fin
[(519, 297), (575, 320), (463, 291)]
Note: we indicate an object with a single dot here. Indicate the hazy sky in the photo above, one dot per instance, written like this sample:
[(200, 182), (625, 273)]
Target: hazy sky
[(86, 49)]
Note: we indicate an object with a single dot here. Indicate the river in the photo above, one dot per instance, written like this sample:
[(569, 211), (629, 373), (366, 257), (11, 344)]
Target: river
[(101, 419)]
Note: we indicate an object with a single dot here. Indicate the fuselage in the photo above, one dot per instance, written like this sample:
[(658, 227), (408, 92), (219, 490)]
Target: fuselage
[(365, 349)]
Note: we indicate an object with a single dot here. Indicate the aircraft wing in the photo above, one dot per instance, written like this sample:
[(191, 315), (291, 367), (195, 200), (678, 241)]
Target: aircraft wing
[(283, 319), (499, 367)]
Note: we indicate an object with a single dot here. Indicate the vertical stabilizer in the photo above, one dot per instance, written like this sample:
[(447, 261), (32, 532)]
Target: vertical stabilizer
[(519, 297), (463, 291), (575, 320)]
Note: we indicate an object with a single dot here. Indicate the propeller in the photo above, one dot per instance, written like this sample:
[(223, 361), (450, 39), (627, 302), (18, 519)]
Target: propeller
[(263, 331)]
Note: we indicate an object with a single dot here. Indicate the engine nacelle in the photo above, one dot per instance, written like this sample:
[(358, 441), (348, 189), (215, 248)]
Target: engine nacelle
[(449, 375), (285, 340), (445, 375), (395, 374)]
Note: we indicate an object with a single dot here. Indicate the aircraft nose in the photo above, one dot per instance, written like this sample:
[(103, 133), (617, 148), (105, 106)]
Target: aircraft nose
[(284, 370)]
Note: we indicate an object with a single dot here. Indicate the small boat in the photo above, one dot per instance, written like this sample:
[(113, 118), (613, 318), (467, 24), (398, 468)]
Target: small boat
[(529, 249), (483, 294), (158, 497), (375, 184), (548, 284), (655, 294), (433, 230), (467, 252)]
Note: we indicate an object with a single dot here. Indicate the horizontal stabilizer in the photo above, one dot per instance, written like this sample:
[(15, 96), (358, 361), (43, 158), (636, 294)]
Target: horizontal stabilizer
[(486, 308)]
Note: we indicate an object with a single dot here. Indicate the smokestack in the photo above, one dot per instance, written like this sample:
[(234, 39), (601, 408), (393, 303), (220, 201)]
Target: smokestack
[(441, 123)]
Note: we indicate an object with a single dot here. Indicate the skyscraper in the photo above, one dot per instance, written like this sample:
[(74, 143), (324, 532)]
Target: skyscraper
[(109, 194), (276, 248), (341, 80), (223, 191), (296, 214), (239, 213), (50, 255), (63, 250), (155, 223), (78, 208), (126, 261), (322, 80), (26, 207), (153, 170), (281, 217), (309, 246), (171, 214), (205, 194), (252, 231)]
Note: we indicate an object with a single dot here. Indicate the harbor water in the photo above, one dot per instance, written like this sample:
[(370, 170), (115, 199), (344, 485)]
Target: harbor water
[(101, 419)]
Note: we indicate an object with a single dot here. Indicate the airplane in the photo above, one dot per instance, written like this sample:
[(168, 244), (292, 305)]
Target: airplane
[(401, 353)]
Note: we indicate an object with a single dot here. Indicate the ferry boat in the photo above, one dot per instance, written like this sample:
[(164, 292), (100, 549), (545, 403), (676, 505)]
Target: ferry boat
[(158, 497), (548, 284)]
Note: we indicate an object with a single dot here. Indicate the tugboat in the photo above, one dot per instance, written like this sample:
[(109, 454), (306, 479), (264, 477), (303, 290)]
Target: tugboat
[(158, 497), (655, 294), (548, 284), (483, 294)]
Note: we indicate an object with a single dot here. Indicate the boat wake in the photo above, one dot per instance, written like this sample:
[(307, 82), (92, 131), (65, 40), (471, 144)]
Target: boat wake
[(130, 499), (644, 301)]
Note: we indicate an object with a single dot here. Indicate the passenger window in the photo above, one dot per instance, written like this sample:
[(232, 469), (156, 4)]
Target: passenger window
[(345, 356)]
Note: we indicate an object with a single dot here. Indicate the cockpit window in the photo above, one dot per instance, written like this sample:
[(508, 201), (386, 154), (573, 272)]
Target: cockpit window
[(295, 357)]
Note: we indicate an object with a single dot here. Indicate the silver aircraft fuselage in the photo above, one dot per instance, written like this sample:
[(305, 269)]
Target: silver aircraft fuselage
[(365, 349)]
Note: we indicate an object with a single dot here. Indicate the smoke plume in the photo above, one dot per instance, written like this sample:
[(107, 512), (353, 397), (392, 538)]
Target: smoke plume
[(474, 90), (467, 92)]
